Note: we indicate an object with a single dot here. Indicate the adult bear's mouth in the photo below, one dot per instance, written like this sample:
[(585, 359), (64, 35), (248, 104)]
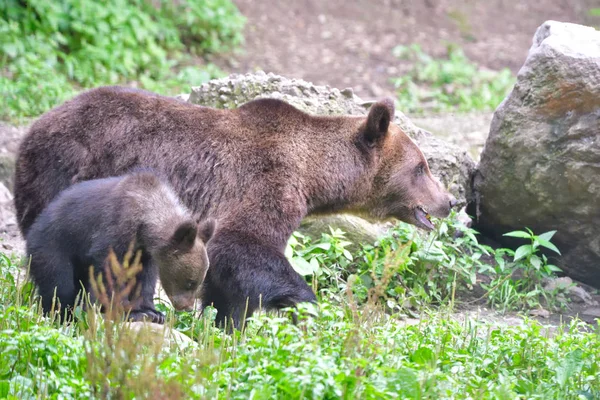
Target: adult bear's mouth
[(423, 218)]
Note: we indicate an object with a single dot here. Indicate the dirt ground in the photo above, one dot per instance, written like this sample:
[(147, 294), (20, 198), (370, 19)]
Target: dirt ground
[(345, 43), (348, 43)]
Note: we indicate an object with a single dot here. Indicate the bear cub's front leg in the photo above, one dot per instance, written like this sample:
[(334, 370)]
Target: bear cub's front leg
[(144, 309)]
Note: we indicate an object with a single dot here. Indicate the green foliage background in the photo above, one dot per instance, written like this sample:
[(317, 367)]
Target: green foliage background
[(50, 49)]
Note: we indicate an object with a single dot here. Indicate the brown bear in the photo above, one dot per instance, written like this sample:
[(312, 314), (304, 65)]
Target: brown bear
[(81, 225), (258, 169)]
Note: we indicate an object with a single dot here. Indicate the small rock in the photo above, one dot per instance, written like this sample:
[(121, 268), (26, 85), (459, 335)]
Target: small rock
[(540, 312), (553, 284), (409, 322), (464, 218), (292, 91), (183, 97), (348, 92), (578, 294), (274, 78), (171, 337)]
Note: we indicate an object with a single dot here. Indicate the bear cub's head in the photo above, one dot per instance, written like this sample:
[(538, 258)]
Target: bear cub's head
[(182, 262)]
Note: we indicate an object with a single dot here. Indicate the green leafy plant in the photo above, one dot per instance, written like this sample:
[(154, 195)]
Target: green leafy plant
[(519, 281), (50, 50), (412, 270), (208, 26), (436, 266), (451, 84), (535, 267), (323, 261)]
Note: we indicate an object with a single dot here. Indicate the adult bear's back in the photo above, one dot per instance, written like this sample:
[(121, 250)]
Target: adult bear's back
[(62, 147), (211, 157)]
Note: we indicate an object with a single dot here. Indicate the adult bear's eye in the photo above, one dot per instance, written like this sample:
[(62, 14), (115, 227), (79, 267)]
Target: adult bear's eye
[(420, 169)]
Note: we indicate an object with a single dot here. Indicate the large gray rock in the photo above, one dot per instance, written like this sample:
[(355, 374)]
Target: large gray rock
[(451, 164), (540, 167)]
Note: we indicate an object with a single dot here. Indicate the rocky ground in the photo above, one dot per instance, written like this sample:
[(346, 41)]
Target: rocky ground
[(10, 238), (468, 131)]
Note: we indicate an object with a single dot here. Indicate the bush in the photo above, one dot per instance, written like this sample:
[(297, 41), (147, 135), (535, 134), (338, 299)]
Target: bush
[(211, 26), (407, 269), (50, 49)]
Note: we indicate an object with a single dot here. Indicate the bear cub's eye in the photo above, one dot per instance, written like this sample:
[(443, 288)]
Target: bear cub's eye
[(190, 285)]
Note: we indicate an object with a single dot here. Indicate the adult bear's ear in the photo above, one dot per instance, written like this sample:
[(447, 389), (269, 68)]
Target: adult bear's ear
[(184, 237), (378, 121)]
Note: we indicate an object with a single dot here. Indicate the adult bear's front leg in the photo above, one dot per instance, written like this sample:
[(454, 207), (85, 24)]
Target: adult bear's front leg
[(246, 274)]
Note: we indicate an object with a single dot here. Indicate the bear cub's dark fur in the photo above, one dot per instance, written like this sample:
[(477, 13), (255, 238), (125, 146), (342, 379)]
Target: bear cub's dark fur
[(81, 225)]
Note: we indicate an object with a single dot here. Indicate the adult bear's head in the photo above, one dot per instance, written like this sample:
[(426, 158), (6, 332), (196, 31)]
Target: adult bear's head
[(403, 186)]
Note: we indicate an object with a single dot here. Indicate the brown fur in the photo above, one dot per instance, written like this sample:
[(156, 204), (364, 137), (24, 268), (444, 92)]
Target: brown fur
[(258, 169)]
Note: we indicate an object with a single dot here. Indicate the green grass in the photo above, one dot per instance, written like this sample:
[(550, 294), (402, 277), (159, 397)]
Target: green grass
[(356, 344), (452, 84), (594, 12), (49, 50)]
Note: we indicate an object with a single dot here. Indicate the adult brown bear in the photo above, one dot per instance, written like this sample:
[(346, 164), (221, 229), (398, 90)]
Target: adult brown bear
[(258, 169)]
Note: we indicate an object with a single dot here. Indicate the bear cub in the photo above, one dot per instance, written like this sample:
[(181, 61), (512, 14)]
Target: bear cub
[(81, 225)]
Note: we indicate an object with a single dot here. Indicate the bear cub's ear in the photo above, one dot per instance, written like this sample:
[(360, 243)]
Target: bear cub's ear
[(184, 237), (378, 121), (206, 229)]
